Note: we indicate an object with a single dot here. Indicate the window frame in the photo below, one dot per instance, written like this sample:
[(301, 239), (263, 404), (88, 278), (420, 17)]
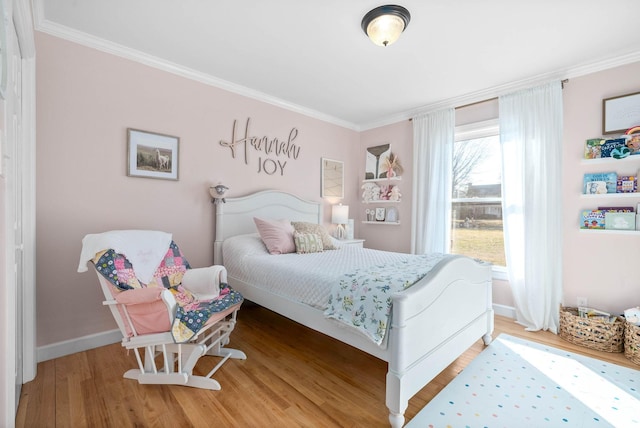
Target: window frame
[(470, 131)]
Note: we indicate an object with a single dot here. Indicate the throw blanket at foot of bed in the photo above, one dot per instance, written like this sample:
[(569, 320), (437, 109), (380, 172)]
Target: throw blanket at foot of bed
[(362, 299)]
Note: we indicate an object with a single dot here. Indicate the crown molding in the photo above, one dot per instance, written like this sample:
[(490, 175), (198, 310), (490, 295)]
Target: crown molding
[(97, 43), (122, 51), (496, 91)]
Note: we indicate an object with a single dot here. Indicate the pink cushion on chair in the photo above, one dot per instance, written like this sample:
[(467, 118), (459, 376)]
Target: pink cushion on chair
[(147, 310), (277, 235)]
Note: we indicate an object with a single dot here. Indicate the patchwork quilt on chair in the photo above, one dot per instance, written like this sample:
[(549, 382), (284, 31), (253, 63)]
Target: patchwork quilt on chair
[(192, 314)]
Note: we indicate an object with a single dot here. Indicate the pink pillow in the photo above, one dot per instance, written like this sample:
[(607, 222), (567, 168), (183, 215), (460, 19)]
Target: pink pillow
[(147, 310), (277, 235)]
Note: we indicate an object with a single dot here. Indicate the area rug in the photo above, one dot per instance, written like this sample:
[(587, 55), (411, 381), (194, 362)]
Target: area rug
[(517, 383)]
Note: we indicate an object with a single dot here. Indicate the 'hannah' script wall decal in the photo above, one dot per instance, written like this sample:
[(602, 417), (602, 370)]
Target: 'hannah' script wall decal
[(275, 151)]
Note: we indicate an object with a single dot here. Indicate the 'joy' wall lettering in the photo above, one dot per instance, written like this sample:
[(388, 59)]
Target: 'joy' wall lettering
[(281, 149)]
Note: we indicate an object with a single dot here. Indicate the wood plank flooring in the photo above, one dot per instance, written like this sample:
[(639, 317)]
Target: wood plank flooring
[(293, 377)]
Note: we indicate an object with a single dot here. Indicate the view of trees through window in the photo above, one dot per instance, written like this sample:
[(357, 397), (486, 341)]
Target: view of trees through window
[(476, 224)]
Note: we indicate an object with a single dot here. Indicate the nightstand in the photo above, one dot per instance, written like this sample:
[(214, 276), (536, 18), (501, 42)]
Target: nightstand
[(353, 242)]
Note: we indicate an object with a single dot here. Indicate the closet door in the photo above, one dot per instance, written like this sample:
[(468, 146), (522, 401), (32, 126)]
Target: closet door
[(13, 159)]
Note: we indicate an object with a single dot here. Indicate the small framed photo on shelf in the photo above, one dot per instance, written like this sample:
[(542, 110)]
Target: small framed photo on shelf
[(152, 155), (392, 215), (380, 214)]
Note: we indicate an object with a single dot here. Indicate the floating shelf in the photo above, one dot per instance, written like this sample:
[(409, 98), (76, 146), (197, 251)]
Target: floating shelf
[(388, 223), (612, 195), (377, 180), (611, 160), (610, 231)]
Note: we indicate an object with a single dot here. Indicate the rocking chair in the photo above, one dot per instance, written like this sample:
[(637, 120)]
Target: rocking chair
[(174, 313)]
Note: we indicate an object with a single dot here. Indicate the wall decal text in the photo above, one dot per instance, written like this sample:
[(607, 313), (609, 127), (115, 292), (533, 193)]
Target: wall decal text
[(274, 152)]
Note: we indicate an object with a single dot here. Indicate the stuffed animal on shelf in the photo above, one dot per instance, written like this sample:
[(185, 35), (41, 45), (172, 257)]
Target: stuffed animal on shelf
[(394, 194), (371, 192)]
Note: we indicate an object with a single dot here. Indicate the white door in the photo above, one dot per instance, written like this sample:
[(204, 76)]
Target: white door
[(14, 211)]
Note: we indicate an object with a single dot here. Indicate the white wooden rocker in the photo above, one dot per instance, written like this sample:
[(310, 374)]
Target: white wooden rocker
[(155, 313)]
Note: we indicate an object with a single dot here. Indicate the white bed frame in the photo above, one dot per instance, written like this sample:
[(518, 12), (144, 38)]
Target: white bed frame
[(433, 322)]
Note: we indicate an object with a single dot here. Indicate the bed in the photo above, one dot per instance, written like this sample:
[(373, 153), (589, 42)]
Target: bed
[(453, 302)]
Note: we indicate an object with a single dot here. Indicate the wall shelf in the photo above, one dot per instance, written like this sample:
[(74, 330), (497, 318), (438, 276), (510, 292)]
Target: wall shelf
[(379, 180), (611, 195), (610, 231), (387, 223), (598, 161)]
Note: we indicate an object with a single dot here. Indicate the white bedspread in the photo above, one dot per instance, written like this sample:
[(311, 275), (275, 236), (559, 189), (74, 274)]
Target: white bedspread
[(307, 278)]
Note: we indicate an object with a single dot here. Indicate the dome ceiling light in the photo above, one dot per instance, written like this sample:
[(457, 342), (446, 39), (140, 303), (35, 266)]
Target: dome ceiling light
[(384, 24)]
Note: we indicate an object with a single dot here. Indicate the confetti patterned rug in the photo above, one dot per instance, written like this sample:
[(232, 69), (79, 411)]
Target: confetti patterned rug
[(522, 384)]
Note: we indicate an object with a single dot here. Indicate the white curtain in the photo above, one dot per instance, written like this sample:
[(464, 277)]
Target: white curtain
[(531, 140), (433, 136)]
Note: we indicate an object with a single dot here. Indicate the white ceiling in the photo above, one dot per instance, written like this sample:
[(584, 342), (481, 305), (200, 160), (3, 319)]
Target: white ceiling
[(312, 56)]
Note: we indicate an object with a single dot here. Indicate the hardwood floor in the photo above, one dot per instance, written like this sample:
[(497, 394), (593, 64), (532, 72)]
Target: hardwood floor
[(293, 377)]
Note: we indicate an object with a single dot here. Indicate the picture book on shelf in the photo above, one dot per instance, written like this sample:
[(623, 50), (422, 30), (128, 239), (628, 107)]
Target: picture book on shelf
[(613, 148), (592, 219), (616, 209), (601, 182), (627, 184), (593, 148), (619, 221)]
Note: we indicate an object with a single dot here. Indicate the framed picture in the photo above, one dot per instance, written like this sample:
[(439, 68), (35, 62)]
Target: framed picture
[(620, 113), (375, 160), (380, 214), (332, 179), (152, 155), (392, 215)]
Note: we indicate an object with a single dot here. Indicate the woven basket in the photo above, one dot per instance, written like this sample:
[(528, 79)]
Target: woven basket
[(632, 342), (591, 333)]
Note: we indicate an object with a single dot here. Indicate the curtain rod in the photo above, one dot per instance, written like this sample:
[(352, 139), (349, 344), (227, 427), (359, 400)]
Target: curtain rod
[(562, 84)]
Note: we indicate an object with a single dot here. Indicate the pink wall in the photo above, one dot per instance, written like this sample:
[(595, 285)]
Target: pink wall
[(86, 100), (601, 267), (380, 236)]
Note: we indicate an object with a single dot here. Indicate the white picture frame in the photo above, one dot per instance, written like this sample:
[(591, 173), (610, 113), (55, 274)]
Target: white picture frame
[(391, 215), (375, 157), (332, 179), (380, 214)]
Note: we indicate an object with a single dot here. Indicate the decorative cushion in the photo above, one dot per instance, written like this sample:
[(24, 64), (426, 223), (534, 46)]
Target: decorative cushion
[(147, 310), (318, 229), (277, 235), (307, 243)]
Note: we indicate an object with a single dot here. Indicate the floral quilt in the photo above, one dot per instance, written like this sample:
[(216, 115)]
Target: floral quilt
[(191, 314), (362, 298)]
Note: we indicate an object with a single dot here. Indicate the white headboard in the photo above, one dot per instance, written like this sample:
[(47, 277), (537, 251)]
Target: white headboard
[(235, 217)]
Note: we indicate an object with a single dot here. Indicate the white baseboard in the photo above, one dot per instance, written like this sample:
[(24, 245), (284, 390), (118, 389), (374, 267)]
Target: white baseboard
[(68, 347), (505, 311)]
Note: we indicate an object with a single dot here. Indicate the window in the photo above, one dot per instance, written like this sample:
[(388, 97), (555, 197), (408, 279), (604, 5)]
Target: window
[(476, 223)]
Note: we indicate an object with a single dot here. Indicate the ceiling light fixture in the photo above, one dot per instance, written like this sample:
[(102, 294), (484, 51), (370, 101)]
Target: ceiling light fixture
[(384, 24)]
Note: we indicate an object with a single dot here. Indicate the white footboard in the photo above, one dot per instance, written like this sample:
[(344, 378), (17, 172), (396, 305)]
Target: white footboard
[(434, 322)]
